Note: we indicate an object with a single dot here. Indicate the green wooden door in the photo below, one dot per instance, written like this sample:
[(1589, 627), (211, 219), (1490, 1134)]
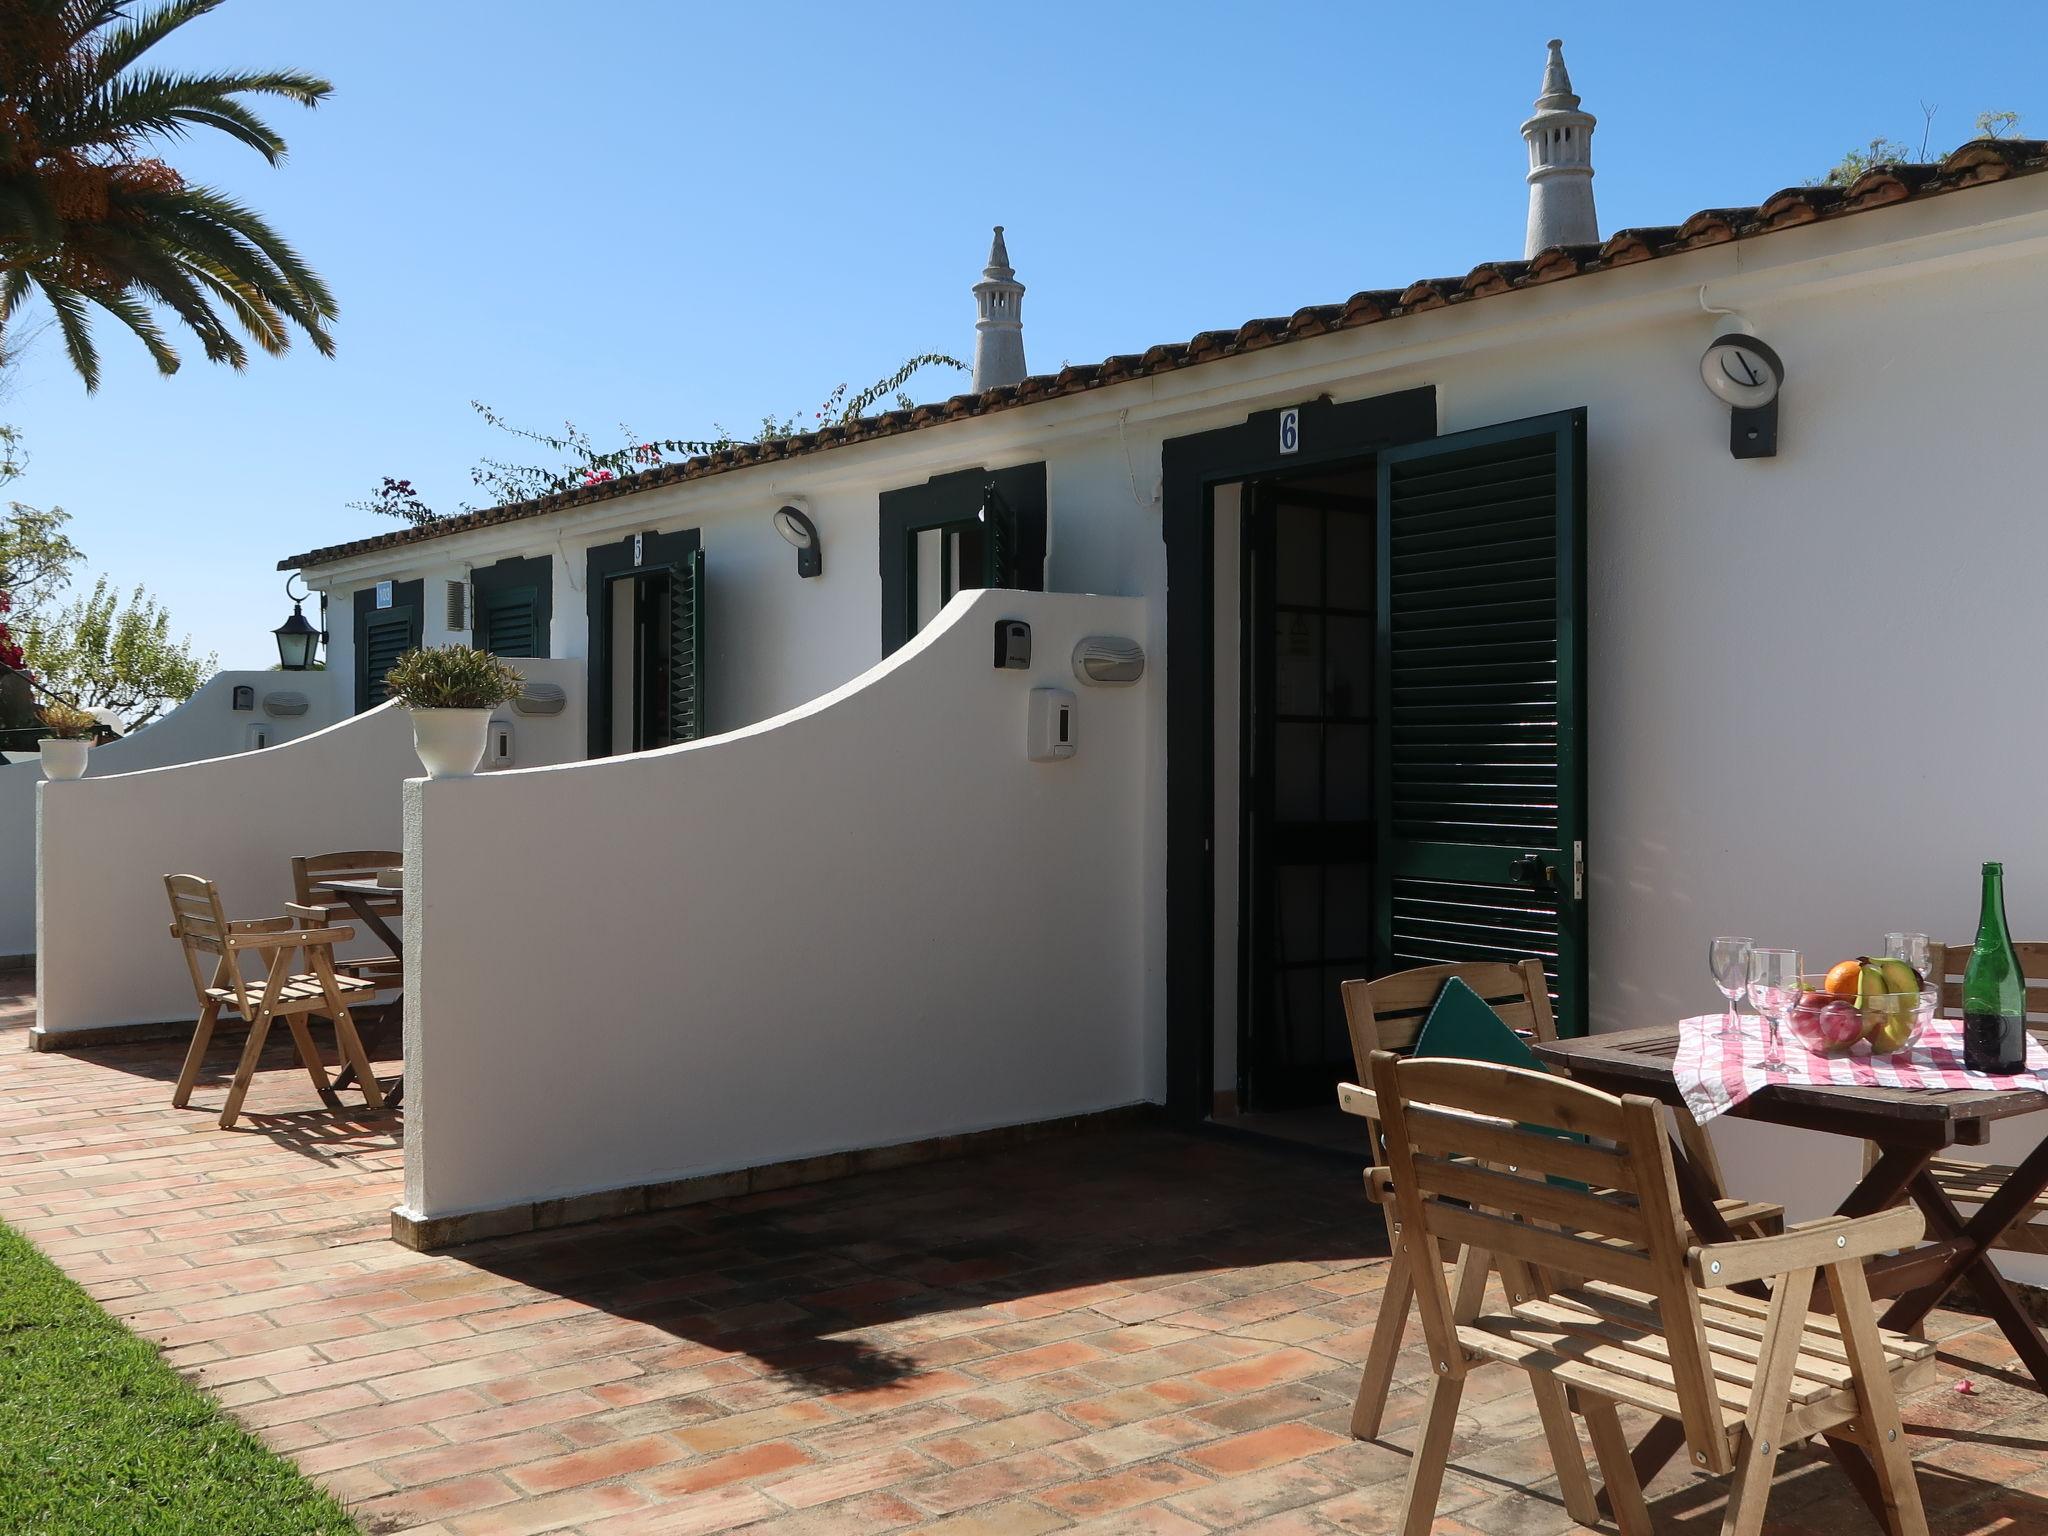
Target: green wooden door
[(1481, 730)]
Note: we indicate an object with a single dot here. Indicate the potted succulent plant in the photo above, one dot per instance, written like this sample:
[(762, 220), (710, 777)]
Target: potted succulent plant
[(71, 733), (451, 691)]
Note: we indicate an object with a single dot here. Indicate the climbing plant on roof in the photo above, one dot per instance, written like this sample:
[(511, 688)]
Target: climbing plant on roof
[(575, 460)]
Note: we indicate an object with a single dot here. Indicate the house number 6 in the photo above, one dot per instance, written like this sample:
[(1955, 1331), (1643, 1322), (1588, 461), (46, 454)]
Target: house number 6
[(1290, 431)]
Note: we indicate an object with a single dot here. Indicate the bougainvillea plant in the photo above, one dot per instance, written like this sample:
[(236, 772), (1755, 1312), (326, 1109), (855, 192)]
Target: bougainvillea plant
[(396, 498), (581, 463), (10, 651)]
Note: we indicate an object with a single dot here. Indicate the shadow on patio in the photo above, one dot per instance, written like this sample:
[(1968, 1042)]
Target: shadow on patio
[(1134, 1331), (824, 1283)]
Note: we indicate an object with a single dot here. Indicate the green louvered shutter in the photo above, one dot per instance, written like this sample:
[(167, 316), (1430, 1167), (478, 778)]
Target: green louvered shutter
[(998, 543), (1482, 727), (387, 635), (686, 650), (508, 622)]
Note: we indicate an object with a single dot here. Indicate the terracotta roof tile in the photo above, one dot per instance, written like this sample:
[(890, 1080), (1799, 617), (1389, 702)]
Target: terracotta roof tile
[(1491, 277), (1974, 164)]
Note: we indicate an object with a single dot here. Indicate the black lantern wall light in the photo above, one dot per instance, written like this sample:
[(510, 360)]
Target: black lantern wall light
[(297, 641)]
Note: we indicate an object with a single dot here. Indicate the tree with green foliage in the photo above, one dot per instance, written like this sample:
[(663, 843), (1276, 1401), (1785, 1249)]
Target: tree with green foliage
[(101, 651), (115, 654), (577, 461), (91, 220), (1884, 151)]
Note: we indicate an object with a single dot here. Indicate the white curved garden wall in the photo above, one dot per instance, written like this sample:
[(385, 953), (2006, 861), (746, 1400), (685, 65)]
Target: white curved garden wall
[(868, 921), (105, 842), (204, 726)]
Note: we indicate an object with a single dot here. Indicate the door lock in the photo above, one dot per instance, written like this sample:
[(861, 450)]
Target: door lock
[(1531, 870)]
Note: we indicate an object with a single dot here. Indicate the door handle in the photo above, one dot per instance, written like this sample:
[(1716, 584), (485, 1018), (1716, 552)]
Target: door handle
[(1531, 870)]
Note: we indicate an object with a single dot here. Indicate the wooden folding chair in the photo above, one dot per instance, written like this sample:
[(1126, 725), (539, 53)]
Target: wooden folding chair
[(1387, 1015), (1963, 1180), (200, 928), (1601, 1295), (386, 970)]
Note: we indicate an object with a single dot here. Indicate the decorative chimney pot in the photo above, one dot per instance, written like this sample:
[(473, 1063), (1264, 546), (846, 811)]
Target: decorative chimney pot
[(999, 326), (1560, 139)]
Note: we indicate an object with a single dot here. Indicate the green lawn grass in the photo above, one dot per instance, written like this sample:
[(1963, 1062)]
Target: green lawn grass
[(99, 1437)]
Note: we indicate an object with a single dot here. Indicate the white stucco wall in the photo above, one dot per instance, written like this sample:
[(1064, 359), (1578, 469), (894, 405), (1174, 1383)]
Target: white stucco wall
[(105, 842), (1806, 697), (868, 921), (205, 725), (772, 639)]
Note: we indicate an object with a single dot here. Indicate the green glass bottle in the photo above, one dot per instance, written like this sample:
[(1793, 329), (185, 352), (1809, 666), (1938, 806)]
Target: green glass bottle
[(1994, 990)]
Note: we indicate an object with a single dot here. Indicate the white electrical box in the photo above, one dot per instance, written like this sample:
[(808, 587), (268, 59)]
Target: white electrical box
[(498, 748), (1051, 733)]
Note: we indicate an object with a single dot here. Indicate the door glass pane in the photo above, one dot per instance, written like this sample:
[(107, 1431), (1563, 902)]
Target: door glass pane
[(657, 661), (1297, 775), (1335, 1044), (1349, 540), (1347, 911), (620, 596), (1301, 1011), (1348, 672), (1297, 912), (1347, 765), (968, 541), (928, 555), (1297, 663), (1298, 556)]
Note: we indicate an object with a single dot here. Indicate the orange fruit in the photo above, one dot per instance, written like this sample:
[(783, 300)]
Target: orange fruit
[(1842, 978)]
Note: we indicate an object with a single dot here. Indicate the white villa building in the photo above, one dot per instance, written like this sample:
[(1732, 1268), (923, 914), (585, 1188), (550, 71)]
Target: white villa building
[(1472, 625)]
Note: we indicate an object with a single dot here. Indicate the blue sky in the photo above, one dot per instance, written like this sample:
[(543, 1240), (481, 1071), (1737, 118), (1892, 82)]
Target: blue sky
[(675, 215)]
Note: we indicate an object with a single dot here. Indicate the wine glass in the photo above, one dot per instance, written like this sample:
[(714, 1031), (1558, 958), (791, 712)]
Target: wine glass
[(1913, 949), (1773, 985), (1729, 961)]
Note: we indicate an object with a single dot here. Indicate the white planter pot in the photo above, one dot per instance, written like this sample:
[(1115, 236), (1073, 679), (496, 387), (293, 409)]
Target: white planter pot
[(450, 742), (64, 757)]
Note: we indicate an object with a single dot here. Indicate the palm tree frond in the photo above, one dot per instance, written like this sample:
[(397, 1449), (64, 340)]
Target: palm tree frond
[(246, 224), (122, 46), (134, 314), (77, 331), (91, 219), (157, 104)]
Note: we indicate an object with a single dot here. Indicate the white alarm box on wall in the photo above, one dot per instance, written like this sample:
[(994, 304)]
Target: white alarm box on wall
[(1051, 733)]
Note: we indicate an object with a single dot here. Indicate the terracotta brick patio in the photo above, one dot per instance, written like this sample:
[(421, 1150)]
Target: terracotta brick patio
[(1139, 1333)]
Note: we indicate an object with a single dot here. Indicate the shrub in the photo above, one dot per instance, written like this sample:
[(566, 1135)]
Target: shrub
[(452, 677), (68, 724)]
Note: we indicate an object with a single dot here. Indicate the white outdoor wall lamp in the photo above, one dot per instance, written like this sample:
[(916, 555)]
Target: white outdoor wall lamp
[(796, 527), (1746, 374)]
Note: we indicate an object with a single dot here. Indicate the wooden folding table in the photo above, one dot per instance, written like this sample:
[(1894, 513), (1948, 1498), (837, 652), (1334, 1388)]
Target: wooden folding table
[(1912, 1128), (370, 901)]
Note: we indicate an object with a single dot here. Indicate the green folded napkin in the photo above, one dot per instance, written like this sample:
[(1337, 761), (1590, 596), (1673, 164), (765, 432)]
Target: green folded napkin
[(1462, 1026)]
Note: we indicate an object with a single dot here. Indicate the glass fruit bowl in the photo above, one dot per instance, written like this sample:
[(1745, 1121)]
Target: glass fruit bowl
[(1832, 1024)]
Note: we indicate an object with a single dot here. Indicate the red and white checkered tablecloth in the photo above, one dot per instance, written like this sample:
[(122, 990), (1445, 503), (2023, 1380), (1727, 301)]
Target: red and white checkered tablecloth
[(1717, 1072)]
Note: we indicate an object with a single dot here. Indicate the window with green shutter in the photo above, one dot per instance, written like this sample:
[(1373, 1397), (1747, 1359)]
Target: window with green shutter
[(382, 635), (1482, 730), (685, 643), (950, 533), (645, 597), (514, 604)]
